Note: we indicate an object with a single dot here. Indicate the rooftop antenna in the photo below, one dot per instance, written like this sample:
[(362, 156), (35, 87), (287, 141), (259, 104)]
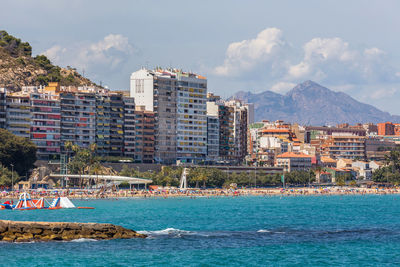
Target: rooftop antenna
[(83, 73)]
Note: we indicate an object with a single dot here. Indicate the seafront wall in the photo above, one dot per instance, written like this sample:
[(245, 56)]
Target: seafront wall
[(16, 231)]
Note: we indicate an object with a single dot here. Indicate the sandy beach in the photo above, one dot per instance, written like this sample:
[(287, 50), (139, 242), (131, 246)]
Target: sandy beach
[(193, 193)]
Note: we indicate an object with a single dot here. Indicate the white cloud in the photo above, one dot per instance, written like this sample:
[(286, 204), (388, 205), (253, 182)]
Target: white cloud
[(105, 55), (383, 93), (246, 55), (54, 53), (373, 52), (282, 87), (333, 61)]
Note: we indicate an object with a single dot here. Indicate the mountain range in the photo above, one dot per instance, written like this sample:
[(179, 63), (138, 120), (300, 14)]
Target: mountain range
[(309, 103)]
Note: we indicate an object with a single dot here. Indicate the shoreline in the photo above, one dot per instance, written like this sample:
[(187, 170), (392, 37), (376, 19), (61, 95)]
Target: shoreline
[(78, 194)]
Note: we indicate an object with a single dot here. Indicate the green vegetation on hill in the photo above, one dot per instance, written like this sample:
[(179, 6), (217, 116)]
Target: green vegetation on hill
[(14, 46), (18, 68)]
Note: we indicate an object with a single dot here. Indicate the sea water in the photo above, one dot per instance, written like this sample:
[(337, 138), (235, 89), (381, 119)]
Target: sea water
[(234, 231)]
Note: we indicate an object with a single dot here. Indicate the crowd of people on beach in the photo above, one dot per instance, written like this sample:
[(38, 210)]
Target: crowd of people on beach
[(193, 193)]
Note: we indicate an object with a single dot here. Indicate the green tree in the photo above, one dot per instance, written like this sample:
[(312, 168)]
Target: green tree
[(6, 176), (18, 151)]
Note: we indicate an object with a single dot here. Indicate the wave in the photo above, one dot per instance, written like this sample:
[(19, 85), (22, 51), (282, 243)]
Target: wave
[(167, 231), (79, 240), (276, 235)]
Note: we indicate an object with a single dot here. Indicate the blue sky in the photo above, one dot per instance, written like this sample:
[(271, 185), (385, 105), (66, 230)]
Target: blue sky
[(349, 46)]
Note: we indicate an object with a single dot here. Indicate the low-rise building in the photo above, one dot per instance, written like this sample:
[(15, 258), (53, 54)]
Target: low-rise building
[(328, 162), (363, 169), (291, 161), (348, 147)]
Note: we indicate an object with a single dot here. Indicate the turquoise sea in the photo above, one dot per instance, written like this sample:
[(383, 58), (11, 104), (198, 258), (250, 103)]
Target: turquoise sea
[(234, 231)]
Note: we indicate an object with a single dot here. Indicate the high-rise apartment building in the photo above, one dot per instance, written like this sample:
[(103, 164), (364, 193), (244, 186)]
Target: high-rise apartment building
[(18, 114), (78, 118), (103, 122), (156, 91), (191, 117), (178, 100), (144, 135), (45, 123), (110, 124), (129, 127), (3, 107), (212, 137), (240, 130), (233, 119), (51, 116), (116, 125)]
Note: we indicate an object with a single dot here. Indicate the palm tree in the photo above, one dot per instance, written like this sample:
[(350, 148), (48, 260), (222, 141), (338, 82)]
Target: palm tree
[(96, 169)]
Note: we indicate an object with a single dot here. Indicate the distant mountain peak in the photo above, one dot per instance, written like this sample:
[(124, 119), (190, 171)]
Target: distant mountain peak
[(310, 103)]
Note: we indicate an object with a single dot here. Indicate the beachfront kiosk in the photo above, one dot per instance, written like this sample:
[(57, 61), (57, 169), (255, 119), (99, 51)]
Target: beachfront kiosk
[(106, 178)]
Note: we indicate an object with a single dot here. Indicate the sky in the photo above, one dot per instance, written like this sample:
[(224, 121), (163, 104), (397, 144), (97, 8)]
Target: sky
[(253, 45)]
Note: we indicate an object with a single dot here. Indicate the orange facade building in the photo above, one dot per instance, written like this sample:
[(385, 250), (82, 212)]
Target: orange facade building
[(388, 128)]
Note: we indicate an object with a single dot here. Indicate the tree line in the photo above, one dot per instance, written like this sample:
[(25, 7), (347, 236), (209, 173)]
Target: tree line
[(212, 177)]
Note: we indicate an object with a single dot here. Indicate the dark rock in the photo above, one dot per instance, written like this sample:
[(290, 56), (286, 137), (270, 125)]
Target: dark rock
[(11, 231)]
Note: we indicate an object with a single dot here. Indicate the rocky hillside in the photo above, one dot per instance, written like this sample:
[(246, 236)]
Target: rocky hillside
[(18, 68), (312, 104)]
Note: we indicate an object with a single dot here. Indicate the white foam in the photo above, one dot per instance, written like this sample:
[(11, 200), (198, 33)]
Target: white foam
[(167, 231), (263, 231), (79, 240)]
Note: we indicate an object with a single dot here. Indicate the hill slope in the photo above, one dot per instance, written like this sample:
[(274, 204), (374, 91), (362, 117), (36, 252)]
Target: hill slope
[(312, 104), (18, 68)]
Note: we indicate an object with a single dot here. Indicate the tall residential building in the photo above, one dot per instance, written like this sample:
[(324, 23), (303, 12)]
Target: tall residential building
[(233, 117), (103, 123), (3, 108), (144, 135), (191, 117), (116, 125), (78, 113), (240, 129), (212, 137), (226, 138), (18, 114), (156, 91), (178, 100), (129, 127), (109, 124), (45, 123)]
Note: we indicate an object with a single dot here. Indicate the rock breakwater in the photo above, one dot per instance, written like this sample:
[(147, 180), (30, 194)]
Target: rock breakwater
[(18, 231)]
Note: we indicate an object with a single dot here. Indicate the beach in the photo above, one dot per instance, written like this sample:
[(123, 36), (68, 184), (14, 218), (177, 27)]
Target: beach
[(192, 193)]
